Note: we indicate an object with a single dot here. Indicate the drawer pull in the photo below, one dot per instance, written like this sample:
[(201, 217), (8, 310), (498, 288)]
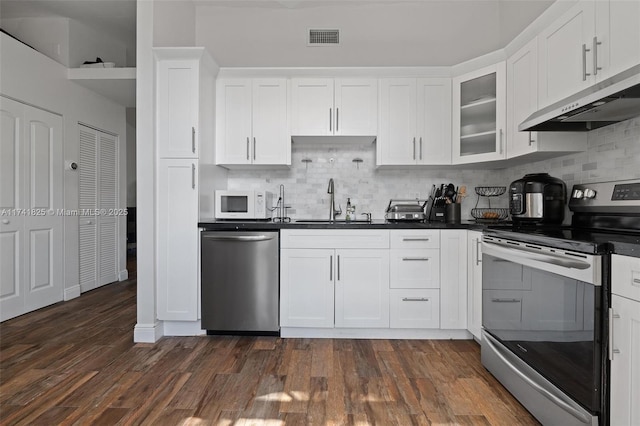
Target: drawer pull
[(415, 258), (415, 299), (415, 239), (506, 300), (636, 280)]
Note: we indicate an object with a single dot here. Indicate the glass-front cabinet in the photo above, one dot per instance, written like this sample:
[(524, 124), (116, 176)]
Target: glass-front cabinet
[(479, 115)]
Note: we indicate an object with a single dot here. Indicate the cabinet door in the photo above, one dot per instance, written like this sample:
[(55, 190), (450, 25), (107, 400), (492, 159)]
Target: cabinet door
[(433, 121), (625, 374), (522, 97), (564, 61), (396, 144), (234, 122), (453, 279), (356, 107), (177, 89), (474, 283), (178, 242), (362, 288), (479, 115), (306, 287), (271, 142), (618, 31), (312, 107)]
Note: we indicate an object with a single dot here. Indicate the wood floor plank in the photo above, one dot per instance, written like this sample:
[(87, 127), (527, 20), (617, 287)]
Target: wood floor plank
[(75, 363)]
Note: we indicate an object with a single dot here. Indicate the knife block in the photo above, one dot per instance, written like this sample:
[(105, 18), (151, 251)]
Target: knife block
[(437, 214)]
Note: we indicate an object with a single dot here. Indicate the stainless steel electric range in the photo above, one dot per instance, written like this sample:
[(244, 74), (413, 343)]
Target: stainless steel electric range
[(545, 298)]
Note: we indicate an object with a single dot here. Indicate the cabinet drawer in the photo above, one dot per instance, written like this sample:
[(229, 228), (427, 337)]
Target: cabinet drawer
[(415, 268), (415, 238), (415, 309), (334, 238), (625, 276)]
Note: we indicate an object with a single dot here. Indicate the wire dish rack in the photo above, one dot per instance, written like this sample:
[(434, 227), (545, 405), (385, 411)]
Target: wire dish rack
[(489, 214)]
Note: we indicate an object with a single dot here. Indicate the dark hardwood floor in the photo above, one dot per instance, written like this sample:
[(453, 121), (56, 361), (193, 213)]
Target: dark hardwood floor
[(76, 363)]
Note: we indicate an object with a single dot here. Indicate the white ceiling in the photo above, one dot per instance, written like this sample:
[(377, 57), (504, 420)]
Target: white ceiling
[(270, 33)]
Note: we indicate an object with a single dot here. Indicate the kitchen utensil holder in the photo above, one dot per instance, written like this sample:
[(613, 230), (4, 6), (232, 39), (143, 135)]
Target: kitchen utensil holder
[(453, 213)]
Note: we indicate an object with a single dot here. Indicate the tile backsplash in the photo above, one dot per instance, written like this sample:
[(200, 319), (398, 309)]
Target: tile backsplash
[(613, 153)]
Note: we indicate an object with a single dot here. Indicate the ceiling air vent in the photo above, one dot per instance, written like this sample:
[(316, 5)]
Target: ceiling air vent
[(324, 37)]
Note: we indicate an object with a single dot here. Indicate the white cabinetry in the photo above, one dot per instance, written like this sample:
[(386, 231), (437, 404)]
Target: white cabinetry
[(334, 107), (31, 190), (522, 101), (327, 274), (453, 279), (415, 278), (591, 41), (474, 283), (252, 122), (415, 121), (479, 115), (177, 199), (625, 341)]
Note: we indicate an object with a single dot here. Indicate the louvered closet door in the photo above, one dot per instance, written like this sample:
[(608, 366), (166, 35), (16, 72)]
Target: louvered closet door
[(88, 203), (107, 201)]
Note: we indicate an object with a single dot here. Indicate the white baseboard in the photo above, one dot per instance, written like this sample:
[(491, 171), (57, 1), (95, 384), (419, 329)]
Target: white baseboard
[(123, 275), (183, 328), (373, 333), (72, 292), (148, 333)]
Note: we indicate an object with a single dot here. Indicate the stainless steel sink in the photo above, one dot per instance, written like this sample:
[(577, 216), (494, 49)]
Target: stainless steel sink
[(333, 222)]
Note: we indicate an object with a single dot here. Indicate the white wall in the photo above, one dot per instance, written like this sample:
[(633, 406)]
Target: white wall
[(35, 79), (131, 157), (86, 43)]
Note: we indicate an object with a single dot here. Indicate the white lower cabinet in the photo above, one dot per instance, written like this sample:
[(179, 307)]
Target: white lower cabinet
[(474, 283), (345, 285), (625, 341), (415, 308)]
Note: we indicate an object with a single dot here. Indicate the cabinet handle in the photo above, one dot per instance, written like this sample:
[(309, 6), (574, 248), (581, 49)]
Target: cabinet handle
[(337, 119), (338, 267), (415, 239), (331, 268), (506, 300), (636, 280), (421, 147), (478, 258), (414, 148), (501, 142), (531, 139), (193, 176), (247, 148), (584, 62), (415, 299), (330, 114), (415, 258), (596, 43), (193, 140), (254, 148)]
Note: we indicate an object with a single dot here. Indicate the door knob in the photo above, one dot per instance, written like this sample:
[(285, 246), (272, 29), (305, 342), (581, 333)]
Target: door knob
[(5, 221)]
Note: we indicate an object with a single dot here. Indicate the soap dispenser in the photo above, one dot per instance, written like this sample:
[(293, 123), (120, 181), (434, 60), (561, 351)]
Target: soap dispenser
[(348, 216)]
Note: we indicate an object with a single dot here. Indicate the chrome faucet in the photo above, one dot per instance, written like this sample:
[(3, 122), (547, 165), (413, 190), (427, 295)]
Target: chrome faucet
[(332, 204)]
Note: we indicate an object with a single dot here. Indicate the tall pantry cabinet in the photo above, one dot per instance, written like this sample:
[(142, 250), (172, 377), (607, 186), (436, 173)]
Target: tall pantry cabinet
[(184, 78)]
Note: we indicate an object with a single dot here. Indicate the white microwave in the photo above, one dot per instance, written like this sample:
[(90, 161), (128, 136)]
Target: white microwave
[(233, 204)]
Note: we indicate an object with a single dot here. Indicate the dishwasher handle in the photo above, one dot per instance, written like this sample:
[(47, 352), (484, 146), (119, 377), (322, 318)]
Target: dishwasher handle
[(212, 236)]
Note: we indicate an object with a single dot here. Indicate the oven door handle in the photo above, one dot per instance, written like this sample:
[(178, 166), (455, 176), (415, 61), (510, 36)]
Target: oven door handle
[(490, 341), (514, 253)]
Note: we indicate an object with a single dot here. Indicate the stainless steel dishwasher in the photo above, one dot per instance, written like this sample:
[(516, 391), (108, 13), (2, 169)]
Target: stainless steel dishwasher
[(240, 282)]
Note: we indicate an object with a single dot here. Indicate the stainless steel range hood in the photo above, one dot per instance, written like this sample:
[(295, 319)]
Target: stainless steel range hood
[(609, 101)]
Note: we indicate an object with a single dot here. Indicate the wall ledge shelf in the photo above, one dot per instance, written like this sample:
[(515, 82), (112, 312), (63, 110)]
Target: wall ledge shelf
[(117, 84)]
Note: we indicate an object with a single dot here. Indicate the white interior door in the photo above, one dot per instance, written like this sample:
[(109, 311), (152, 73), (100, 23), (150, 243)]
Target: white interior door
[(43, 227), (11, 225), (108, 204), (88, 203)]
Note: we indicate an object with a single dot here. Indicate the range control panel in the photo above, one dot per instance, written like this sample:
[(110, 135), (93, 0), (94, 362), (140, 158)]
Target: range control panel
[(613, 197), (626, 191)]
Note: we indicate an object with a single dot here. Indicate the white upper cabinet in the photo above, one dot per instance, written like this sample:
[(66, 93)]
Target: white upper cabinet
[(178, 105), (590, 42), (479, 115), (334, 107), (522, 100), (414, 121), (252, 122)]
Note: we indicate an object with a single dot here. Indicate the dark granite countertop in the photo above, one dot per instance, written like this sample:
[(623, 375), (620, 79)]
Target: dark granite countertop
[(247, 225)]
